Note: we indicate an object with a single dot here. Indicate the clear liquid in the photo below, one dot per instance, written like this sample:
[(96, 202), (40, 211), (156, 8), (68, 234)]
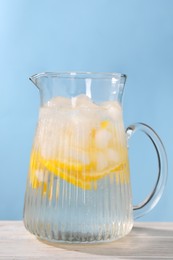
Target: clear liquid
[(73, 194), (76, 215)]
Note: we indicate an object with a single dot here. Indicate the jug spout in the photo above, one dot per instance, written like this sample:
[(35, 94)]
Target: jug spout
[(34, 78)]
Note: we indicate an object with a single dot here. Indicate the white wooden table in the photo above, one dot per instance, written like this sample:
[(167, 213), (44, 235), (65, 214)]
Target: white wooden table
[(146, 241)]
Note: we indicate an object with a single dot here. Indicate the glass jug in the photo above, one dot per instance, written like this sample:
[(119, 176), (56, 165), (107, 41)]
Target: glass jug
[(78, 187)]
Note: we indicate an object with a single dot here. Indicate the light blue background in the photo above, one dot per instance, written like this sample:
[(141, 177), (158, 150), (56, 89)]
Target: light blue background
[(129, 36)]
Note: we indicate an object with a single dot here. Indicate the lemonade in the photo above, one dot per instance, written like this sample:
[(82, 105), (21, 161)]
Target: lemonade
[(79, 150), (79, 142), (78, 188)]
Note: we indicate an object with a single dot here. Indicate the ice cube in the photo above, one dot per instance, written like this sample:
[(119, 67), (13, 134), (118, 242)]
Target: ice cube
[(102, 138), (102, 162), (114, 109), (81, 136), (79, 155), (49, 146), (59, 102), (82, 101), (81, 126), (74, 155), (113, 155), (50, 135)]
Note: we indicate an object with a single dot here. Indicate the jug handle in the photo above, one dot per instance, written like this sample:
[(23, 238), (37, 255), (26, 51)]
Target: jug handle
[(153, 198)]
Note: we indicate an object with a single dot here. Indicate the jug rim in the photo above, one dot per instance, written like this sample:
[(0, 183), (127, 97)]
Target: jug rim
[(80, 75)]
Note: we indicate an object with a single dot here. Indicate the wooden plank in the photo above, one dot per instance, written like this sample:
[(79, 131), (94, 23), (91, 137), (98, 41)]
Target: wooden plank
[(146, 241)]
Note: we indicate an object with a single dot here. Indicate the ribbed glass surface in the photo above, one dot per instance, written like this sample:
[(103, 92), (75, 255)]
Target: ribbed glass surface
[(78, 187)]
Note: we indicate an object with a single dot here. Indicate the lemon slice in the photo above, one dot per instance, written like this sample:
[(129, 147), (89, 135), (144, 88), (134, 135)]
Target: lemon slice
[(75, 174), (38, 163)]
